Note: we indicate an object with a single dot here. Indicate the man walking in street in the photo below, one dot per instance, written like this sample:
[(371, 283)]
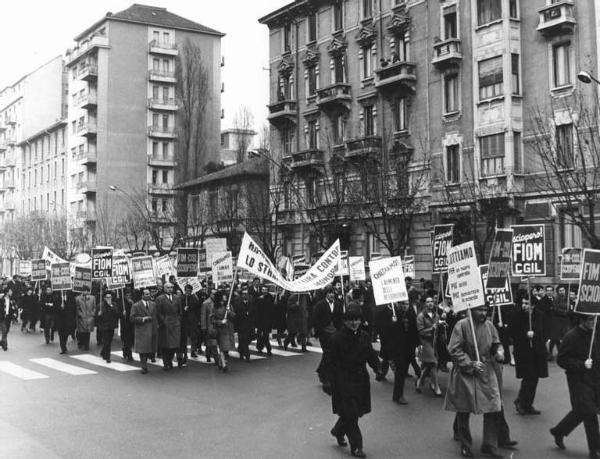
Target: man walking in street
[(86, 309), (127, 328), (169, 311), (243, 306), (189, 322), (327, 320), (143, 316), (108, 318)]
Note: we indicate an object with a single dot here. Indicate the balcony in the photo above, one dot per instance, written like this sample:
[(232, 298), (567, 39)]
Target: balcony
[(88, 129), (160, 217), (447, 53), (161, 132), (10, 161), (162, 104), (283, 111), (336, 95), (88, 72), (396, 76), (161, 76), (86, 215), (163, 47), (161, 161), (75, 54), (10, 141), (9, 205), (86, 186), (87, 100), (163, 189), (363, 147), (557, 18), (3, 165), (308, 159), (3, 146), (87, 158), (3, 126)]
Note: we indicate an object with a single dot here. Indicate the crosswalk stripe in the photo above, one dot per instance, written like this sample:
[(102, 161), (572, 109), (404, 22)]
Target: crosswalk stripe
[(318, 350), (20, 372), (88, 358), (64, 367), (283, 353), (252, 356)]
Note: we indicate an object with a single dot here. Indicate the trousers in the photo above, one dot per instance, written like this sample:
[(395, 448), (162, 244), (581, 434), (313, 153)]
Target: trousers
[(527, 392), (590, 424), (349, 426), (262, 341), (462, 430), (107, 337)]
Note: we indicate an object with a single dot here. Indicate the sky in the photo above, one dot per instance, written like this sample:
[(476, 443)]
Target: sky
[(34, 31)]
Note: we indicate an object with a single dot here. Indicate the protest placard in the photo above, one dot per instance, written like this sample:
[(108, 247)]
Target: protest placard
[(222, 267), (388, 280), (441, 242), (60, 276), (193, 281), (214, 245), (570, 264), (528, 250), (120, 271), (163, 266), (187, 262), (343, 267), (82, 278), (464, 278), (102, 262), (25, 268), (588, 298), (357, 268), (499, 263), (496, 296), (143, 272), (408, 266), (38, 270)]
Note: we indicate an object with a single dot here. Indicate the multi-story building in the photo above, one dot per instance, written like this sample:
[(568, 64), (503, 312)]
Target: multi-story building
[(124, 113), (235, 144), (448, 88)]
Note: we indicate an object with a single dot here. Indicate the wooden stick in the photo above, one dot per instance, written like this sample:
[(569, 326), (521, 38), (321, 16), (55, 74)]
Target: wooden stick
[(474, 336), (343, 294), (530, 296), (231, 290), (593, 336), (569, 296)]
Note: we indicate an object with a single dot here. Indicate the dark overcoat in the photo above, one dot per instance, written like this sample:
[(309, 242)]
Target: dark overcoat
[(146, 333), (169, 321), (530, 355), (265, 312), (297, 314)]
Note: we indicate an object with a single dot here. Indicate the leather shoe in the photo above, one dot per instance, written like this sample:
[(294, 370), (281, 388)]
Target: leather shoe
[(358, 453), (465, 451), (490, 451), (519, 408), (509, 444), (558, 439), (532, 410), (340, 438), (400, 401), (144, 371)]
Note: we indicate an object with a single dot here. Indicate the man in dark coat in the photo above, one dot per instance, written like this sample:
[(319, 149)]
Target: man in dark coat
[(143, 316), (243, 306), (169, 311), (127, 327), (8, 312), (344, 362), (529, 350), (265, 310), (189, 322), (66, 318), (48, 309), (583, 379), (108, 319), (327, 319)]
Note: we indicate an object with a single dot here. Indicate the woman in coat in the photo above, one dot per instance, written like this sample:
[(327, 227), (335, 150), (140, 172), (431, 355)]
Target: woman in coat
[(344, 363), (222, 320), (143, 316), (86, 310), (427, 327), (297, 319)]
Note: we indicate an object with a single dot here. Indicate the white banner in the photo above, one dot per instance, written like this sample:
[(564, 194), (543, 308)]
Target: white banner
[(193, 281), (163, 266), (222, 267), (343, 266), (25, 268), (214, 245), (408, 266), (464, 278), (357, 268), (321, 274), (388, 280), (51, 257)]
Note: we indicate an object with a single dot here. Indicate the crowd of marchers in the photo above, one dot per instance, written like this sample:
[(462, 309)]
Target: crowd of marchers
[(169, 323)]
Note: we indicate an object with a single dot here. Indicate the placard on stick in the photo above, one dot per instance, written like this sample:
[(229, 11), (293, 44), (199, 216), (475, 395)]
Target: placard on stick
[(187, 262), (102, 262), (588, 297), (82, 278), (570, 264), (441, 242), (499, 264), (60, 276), (528, 250), (388, 280), (496, 296), (464, 278), (38, 270)]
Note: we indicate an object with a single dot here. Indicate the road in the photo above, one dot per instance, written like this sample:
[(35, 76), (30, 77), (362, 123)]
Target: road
[(266, 408)]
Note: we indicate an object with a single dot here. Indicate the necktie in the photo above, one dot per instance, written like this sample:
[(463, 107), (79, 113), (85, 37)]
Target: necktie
[(146, 305)]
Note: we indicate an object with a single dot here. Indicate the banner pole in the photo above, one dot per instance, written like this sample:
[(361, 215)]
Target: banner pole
[(474, 336), (569, 295), (593, 336), (530, 296), (343, 293), (231, 290)]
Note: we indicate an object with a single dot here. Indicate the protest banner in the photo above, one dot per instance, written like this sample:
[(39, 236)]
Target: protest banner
[(38, 270), (222, 267), (588, 298), (343, 267), (528, 250), (188, 260), (214, 245), (102, 262), (254, 260), (300, 269), (142, 269), (499, 262), (82, 278), (408, 266), (441, 242), (25, 268), (496, 296), (121, 273), (356, 267), (163, 266), (466, 288), (570, 264), (50, 257), (60, 276), (388, 280), (193, 281)]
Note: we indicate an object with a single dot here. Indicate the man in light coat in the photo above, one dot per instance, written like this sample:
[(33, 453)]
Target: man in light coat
[(143, 315), (169, 311), (86, 310), (473, 386)]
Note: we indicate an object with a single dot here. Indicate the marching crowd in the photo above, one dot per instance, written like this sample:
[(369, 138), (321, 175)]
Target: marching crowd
[(424, 333)]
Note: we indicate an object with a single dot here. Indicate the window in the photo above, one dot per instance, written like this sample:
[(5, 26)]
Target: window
[(513, 9), (564, 145), (367, 9), (165, 177), (452, 164), (367, 62), (490, 78), (369, 120), (313, 137), (561, 64), (165, 93), (401, 48), (164, 205), (166, 65), (154, 205), (155, 119), (450, 23), (166, 37), (156, 64), (451, 96), (569, 232), (338, 16), (154, 177), (488, 11), (165, 149), (338, 69), (517, 152), (400, 114), (311, 187), (165, 122), (287, 38), (491, 148), (514, 66), (156, 35), (287, 141), (155, 149), (312, 27), (155, 92), (312, 80), (286, 88), (62, 167), (213, 203), (338, 125)]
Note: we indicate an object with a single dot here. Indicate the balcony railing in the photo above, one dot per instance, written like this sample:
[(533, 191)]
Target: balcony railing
[(396, 74), (363, 146), (96, 42), (334, 95), (162, 161), (160, 217), (162, 104), (86, 186), (161, 132), (86, 215), (160, 188), (87, 157), (447, 53), (284, 110), (557, 18), (86, 100), (88, 72), (308, 159), (163, 47), (164, 76), (88, 129)]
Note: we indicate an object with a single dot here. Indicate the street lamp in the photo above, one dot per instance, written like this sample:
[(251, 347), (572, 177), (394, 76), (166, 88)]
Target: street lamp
[(587, 77)]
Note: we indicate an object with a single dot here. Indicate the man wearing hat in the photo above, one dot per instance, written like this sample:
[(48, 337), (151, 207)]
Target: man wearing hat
[(344, 363), (583, 379)]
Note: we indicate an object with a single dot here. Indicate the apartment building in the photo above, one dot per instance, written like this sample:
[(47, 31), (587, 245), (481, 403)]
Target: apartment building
[(124, 114), (449, 88)]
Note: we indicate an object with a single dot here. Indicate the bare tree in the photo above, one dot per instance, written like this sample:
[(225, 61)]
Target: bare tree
[(261, 213), (243, 124), (198, 218)]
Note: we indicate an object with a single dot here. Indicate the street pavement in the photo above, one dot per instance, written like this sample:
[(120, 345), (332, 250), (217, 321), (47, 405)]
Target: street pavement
[(73, 406)]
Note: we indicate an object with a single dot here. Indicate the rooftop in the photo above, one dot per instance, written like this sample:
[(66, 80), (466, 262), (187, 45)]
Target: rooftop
[(255, 167)]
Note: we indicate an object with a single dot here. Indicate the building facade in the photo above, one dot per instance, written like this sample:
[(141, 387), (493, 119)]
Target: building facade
[(451, 94)]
